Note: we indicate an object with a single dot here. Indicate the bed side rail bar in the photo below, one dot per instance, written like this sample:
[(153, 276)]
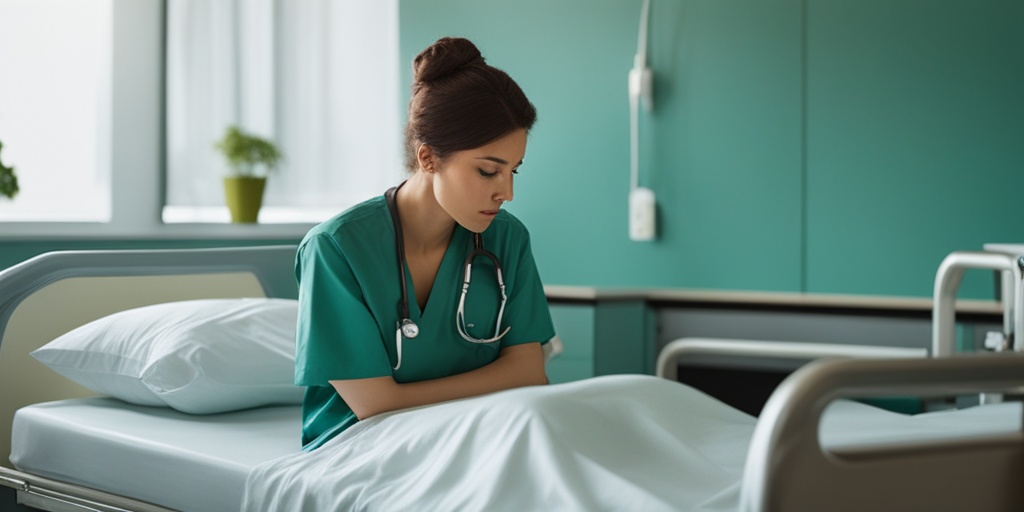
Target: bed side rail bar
[(947, 282), (669, 356), (47, 494), (25, 278), (787, 469)]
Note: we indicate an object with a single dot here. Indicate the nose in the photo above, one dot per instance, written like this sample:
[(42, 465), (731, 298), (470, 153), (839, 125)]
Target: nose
[(504, 192)]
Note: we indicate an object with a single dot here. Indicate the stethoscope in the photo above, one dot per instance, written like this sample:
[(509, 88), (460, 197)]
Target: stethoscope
[(406, 328)]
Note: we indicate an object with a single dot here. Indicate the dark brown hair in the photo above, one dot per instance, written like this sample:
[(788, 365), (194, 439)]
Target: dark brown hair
[(460, 102)]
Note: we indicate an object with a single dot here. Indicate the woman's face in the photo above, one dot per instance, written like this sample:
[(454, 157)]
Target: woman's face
[(472, 184)]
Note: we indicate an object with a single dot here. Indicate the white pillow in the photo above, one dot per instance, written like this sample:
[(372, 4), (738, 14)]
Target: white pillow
[(197, 356)]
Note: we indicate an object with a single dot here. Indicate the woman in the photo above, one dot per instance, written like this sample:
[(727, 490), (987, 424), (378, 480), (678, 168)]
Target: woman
[(465, 140)]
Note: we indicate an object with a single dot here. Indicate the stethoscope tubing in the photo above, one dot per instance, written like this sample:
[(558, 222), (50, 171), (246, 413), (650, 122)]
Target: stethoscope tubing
[(406, 328), (403, 303), (460, 314)]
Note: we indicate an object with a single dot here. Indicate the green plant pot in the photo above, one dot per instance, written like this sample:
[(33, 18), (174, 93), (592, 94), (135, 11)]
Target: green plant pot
[(244, 196)]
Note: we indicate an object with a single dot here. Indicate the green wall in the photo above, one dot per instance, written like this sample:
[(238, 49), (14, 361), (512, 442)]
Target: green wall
[(915, 137), (826, 146)]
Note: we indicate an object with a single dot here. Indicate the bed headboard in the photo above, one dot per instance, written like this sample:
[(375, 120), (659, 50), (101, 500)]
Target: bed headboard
[(55, 292)]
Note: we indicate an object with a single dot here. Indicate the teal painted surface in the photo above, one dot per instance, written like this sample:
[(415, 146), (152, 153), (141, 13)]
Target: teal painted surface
[(623, 338), (915, 140), (604, 338), (722, 148), (574, 324), (828, 146)]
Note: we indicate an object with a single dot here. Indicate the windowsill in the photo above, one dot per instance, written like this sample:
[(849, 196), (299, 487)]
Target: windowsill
[(178, 224), (269, 215), (35, 231), (68, 230)]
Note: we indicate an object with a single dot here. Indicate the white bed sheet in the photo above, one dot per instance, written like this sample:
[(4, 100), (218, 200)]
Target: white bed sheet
[(624, 442), (615, 443), (158, 455), (848, 424)]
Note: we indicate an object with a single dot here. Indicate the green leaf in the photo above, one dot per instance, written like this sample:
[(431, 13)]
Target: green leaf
[(8, 180), (247, 154)]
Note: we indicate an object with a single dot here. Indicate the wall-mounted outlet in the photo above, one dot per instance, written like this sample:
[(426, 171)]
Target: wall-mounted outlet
[(641, 86), (642, 215)]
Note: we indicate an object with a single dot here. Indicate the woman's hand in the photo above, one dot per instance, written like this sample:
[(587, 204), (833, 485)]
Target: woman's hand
[(516, 366)]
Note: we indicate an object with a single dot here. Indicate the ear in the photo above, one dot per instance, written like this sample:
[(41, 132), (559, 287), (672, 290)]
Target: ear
[(425, 158)]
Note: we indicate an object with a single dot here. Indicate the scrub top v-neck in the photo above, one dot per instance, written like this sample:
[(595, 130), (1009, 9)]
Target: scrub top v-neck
[(444, 279), (349, 305)]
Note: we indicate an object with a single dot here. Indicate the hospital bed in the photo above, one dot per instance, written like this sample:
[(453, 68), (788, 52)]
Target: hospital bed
[(129, 457), (75, 450)]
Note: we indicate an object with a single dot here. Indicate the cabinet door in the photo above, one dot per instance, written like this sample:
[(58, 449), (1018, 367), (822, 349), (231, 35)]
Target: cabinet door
[(574, 324)]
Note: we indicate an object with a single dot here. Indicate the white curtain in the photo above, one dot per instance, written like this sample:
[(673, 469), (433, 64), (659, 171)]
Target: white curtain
[(55, 109), (319, 77)]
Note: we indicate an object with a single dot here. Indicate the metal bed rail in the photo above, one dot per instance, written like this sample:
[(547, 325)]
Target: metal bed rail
[(947, 282), (668, 358), (787, 468), (45, 494)]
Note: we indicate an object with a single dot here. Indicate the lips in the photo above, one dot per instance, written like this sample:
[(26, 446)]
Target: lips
[(490, 212)]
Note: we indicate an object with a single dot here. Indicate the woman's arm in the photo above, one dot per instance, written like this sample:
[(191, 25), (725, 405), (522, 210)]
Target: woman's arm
[(516, 366)]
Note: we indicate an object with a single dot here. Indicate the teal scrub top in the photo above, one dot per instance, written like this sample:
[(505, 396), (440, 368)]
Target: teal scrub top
[(349, 295)]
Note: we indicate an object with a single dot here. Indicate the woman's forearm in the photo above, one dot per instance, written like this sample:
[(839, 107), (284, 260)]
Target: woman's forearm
[(516, 366)]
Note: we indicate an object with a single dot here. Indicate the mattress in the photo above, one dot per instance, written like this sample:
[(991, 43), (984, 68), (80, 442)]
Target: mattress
[(847, 424), (157, 455)]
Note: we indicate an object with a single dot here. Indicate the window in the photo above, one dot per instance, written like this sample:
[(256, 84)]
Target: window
[(55, 108), (318, 77), (92, 97)]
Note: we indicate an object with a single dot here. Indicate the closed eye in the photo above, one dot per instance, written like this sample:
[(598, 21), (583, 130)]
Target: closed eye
[(487, 174)]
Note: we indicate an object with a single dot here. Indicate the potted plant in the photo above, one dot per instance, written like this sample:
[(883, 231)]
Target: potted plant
[(8, 180), (250, 159)]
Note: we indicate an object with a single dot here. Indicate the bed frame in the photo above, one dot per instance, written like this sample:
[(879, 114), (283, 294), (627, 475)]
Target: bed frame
[(70, 282), (786, 467), (786, 470)]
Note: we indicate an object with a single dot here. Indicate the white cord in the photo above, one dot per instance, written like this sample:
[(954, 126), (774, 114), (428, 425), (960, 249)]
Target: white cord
[(640, 61), (635, 91), (634, 141)]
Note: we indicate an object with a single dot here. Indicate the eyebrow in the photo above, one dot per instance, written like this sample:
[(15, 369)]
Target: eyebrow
[(498, 160)]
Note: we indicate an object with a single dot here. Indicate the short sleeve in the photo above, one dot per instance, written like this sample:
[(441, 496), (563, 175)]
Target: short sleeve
[(527, 313), (336, 336)]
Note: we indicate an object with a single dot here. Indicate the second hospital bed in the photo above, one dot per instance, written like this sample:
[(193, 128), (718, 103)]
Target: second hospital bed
[(74, 451)]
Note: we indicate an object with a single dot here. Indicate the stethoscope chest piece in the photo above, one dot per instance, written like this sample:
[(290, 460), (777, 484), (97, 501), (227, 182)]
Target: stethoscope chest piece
[(409, 328)]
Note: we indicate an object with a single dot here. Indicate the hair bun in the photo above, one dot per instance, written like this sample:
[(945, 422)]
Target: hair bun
[(444, 57)]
